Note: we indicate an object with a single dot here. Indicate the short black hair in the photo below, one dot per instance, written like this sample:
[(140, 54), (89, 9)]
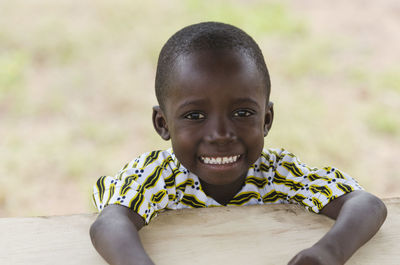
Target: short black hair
[(205, 36)]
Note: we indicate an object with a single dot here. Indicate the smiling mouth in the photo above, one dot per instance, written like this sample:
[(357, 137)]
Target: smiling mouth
[(220, 160)]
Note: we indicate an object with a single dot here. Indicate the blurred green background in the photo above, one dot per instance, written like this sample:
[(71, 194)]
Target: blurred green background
[(77, 78)]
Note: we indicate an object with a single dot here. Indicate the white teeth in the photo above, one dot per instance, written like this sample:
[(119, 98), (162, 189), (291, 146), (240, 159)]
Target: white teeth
[(220, 160)]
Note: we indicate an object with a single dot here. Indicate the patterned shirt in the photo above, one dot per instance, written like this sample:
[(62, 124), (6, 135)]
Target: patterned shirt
[(157, 181)]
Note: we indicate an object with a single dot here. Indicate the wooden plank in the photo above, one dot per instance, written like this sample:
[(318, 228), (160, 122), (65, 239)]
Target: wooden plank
[(270, 234), (47, 240)]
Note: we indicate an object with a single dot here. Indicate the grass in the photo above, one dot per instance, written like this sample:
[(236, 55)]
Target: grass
[(76, 91)]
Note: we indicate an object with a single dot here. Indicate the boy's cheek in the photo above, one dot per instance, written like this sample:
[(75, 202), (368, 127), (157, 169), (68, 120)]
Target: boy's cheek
[(184, 142), (183, 135)]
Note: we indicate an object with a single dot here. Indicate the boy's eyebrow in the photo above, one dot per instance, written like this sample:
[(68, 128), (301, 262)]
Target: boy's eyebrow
[(246, 100), (200, 102), (192, 102)]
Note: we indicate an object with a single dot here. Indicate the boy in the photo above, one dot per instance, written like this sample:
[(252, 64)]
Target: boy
[(213, 89)]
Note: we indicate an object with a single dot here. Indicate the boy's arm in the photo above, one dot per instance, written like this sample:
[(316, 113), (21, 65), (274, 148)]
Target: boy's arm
[(359, 215), (115, 236)]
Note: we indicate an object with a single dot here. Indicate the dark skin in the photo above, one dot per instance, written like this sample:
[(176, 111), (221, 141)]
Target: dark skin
[(217, 107)]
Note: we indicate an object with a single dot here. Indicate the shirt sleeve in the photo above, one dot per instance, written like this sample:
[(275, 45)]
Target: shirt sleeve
[(312, 188), (139, 186)]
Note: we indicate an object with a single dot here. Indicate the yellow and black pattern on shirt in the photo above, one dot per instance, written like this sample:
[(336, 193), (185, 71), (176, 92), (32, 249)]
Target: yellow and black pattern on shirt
[(314, 176), (170, 180), (192, 201), (274, 196), (182, 186), (156, 175), (100, 185), (293, 158), (152, 216), (293, 185), (150, 158), (94, 201), (266, 156), (256, 181), (124, 169), (278, 156), (158, 196), (171, 196), (166, 162), (299, 199), (339, 174), (265, 168), (293, 169), (344, 187), (128, 181), (244, 197), (329, 169), (110, 192), (136, 202), (332, 198), (325, 190), (153, 178), (317, 203), (127, 164)]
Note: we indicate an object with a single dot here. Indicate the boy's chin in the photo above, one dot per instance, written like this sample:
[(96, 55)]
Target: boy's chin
[(222, 180)]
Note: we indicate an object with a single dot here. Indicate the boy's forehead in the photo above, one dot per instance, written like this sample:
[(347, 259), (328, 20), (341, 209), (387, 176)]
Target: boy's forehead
[(214, 57), (198, 65), (206, 71)]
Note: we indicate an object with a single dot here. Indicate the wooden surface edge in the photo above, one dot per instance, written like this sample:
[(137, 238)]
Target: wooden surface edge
[(269, 234)]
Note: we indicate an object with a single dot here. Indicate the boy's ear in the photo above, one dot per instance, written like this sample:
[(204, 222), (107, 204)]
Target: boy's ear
[(160, 123), (269, 117)]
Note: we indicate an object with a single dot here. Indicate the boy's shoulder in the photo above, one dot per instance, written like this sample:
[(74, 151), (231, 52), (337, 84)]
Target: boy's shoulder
[(150, 161), (276, 154), (156, 157)]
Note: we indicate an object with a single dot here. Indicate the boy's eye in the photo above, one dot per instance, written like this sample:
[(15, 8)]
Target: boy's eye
[(242, 113), (194, 116)]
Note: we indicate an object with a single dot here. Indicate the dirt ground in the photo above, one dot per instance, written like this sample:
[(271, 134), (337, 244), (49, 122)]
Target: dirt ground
[(373, 29)]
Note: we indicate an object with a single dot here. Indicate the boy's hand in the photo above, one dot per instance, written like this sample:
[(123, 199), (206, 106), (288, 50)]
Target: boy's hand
[(315, 255), (359, 215), (115, 236)]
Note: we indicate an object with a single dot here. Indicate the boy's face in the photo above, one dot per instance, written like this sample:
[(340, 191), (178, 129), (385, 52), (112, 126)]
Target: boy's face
[(216, 114)]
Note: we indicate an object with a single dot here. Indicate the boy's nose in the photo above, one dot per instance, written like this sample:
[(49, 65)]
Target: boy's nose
[(220, 131)]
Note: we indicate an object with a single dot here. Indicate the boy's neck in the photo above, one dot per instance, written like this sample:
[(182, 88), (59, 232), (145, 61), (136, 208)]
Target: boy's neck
[(223, 194)]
